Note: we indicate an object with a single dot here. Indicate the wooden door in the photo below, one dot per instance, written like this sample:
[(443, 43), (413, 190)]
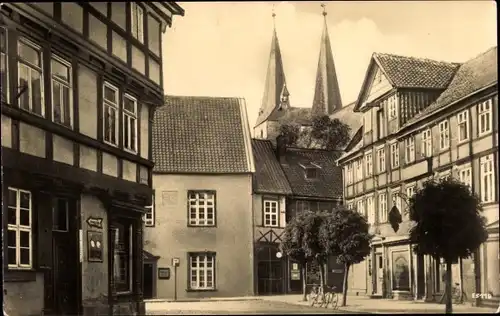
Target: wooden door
[(379, 274)]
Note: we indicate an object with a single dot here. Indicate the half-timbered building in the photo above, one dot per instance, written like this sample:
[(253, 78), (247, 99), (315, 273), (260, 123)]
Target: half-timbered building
[(80, 83)]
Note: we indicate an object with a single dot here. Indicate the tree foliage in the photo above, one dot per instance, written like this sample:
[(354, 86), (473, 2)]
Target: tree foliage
[(324, 133), (448, 224), (344, 234)]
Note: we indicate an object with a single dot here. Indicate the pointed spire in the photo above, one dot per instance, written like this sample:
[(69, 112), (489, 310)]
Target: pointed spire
[(275, 86), (326, 94)]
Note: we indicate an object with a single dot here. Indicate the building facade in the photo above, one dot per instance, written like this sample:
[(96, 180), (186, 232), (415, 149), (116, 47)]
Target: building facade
[(79, 83), (201, 230), (415, 128)]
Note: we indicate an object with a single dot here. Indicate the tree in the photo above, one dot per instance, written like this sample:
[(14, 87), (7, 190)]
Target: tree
[(344, 234), (448, 224), (324, 133)]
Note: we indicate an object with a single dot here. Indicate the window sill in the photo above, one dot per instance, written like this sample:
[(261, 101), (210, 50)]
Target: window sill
[(201, 226), (20, 275), (201, 290), (463, 141)]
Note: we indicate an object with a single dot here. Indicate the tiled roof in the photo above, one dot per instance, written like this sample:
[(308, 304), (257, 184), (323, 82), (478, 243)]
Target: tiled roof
[(475, 74), (201, 135), (411, 72), (296, 114), (347, 116), (268, 176), (328, 183)]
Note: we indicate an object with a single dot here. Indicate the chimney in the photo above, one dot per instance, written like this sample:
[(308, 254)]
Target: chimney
[(281, 149)]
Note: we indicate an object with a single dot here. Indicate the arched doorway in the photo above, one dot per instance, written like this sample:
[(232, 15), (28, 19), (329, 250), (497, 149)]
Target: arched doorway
[(270, 271)]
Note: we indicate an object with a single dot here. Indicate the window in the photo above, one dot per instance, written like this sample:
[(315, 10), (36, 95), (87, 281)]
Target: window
[(349, 174), (382, 208), (350, 206), (394, 155), (426, 143), (130, 123), (137, 23), (311, 173), (110, 108), (360, 208), (396, 200), (62, 92), (410, 191), (4, 77), (463, 126), (60, 217), (201, 208), (487, 179), (370, 210), (303, 206), (444, 135), (202, 271), (154, 37), (122, 235), (381, 160), (359, 170), (485, 117), (271, 213), (465, 176), (380, 124), (410, 149), (149, 216), (30, 79), (19, 240), (392, 108), (369, 164)]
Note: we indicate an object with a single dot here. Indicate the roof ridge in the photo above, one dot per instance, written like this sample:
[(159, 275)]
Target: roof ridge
[(200, 96), (423, 59), (313, 149)]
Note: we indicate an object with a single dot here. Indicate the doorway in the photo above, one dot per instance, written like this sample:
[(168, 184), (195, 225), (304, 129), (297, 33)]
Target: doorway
[(270, 270), (148, 281), (420, 277), (378, 274)]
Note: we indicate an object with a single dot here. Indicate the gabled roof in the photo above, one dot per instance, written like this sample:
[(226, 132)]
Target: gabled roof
[(328, 183), (275, 82), (472, 76), (326, 93), (202, 135), (409, 72), (268, 176), (293, 114)]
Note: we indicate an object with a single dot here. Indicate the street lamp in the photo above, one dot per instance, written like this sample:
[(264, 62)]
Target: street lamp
[(279, 255)]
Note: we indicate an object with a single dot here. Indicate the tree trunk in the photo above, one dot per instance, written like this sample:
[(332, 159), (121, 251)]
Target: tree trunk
[(321, 274), (448, 294), (344, 290), (304, 282)]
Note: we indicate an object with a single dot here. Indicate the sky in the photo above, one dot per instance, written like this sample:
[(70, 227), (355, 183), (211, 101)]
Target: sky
[(222, 49)]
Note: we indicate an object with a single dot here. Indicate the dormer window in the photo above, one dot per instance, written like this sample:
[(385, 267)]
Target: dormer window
[(310, 170)]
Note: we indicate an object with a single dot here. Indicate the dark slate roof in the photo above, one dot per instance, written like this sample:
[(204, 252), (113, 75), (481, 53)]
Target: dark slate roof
[(328, 183), (473, 75), (202, 135), (412, 72), (268, 176), (298, 115)]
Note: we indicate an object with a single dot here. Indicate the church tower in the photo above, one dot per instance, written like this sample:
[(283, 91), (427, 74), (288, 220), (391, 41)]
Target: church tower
[(327, 93), (275, 100)]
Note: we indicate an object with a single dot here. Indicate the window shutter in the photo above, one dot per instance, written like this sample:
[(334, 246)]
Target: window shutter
[(435, 136), (453, 130), (44, 214), (418, 146)]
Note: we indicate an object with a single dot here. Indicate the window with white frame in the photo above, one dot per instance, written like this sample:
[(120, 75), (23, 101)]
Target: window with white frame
[(130, 123), (4, 77), (149, 215), (110, 109), (370, 210), (202, 271), (465, 175), (137, 23), (444, 135), (201, 208), (271, 212), (485, 117), (381, 160), (426, 143), (410, 191), (369, 164), (395, 155), (359, 170), (62, 91), (349, 174), (360, 207), (410, 149), (463, 125), (30, 77), (487, 179), (19, 229), (396, 200), (122, 242), (382, 207), (392, 108)]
